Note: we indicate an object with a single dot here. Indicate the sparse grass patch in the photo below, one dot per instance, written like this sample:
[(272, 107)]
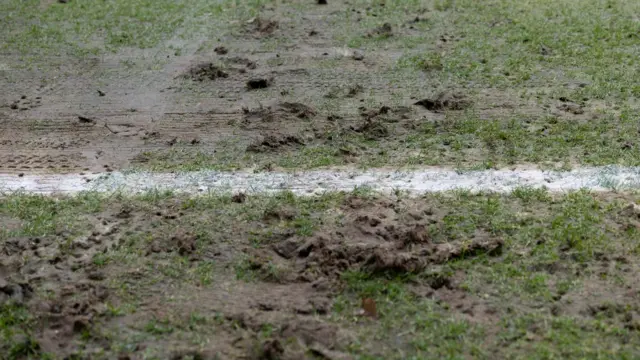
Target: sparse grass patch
[(516, 44), (81, 28)]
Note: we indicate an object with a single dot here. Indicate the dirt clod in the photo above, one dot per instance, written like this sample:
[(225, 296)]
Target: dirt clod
[(259, 83), (249, 64), (374, 239), (446, 101), (572, 108), (271, 142), (384, 31), (372, 129), (205, 71), (354, 90), (263, 27), (221, 50), (13, 292), (239, 198), (85, 119), (277, 117), (271, 350), (186, 243), (96, 276)]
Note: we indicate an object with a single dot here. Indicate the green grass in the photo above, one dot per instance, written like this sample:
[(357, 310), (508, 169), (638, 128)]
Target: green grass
[(43, 215), (15, 332), (43, 31), (510, 44)]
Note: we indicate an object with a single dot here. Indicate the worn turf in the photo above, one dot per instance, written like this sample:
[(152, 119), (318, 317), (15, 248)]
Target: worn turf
[(530, 274), (500, 83)]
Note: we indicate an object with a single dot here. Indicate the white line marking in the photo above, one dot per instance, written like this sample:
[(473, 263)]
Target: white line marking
[(316, 182)]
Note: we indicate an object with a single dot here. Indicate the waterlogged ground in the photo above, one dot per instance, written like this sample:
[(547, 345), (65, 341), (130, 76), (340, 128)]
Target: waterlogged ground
[(289, 85), (452, 275)]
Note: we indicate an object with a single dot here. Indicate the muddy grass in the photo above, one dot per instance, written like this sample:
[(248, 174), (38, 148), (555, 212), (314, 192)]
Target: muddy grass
[(177, 85), (483, 86), (452, 275)]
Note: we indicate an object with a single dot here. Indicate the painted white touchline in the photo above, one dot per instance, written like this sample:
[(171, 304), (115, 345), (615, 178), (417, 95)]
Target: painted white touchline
[(315, 182)]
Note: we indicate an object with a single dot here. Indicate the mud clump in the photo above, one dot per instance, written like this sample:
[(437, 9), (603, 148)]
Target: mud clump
[(383, 31), (239, 198), (249, 64), (386, 113), (378, 239), (262, 27), (354, 90), (297, 339), (221, 50), (299, 110), (376, 124), (182, 242), (372, 129), (285, 112), (86, 119), (271, 350), (446, 101), (205, 71), (384, 262), (346, 92), (14, 293), (273, 142), (259, 83), (280, 213), (571, 108)]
